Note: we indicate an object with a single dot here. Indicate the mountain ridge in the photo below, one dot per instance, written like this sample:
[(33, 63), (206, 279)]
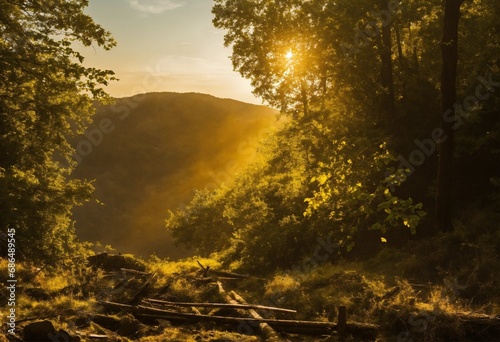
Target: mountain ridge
[(147, 154)]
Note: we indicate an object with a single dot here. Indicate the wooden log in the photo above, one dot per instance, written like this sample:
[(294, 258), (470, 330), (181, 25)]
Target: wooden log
[(228, 298), (124, 307), (221, 305), (146, 309), (231, 274), (269, 333), (391, 293), (236, 322), (92, 336), (195, 310), (289, 326), (222, 273), (138, 296), (128, 270)]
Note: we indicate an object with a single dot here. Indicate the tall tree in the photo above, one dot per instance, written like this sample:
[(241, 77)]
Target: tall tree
[(385, 45), (46, 96), (449, 49)]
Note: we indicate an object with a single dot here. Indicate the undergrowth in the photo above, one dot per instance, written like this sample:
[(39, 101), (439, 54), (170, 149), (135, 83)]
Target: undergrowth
[(414, 293)]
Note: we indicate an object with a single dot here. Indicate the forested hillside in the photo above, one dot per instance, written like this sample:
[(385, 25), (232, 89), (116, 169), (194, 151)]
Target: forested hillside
[(157, 150)]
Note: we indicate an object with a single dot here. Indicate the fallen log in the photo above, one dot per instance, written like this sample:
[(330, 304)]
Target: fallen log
[(207, 270), (231, 274), (195, 310), (92, 336), (228, 298), (284, 325), (128, 270), (220, 305), (269, 333), (138, 296), (394, 291), (288, 326)]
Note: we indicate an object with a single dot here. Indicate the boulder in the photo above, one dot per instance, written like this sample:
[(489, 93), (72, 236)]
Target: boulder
[(115, 262), (39, 331), (45, 331)]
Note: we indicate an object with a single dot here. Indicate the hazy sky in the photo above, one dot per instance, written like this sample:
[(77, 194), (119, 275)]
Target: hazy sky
[(166, 45)]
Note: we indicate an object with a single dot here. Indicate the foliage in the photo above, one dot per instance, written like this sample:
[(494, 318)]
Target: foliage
[(273, 214), (166, 271), (320, 292), (352, 194), (168, 268), (350, 108), (58, 305), (45, 97), (264, 33), (463, 262), (204, 217)]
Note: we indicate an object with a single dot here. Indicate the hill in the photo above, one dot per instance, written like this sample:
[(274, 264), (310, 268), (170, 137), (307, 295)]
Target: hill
[(148, 153)]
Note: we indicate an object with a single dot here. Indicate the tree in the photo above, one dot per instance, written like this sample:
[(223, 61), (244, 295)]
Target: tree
[(385, 46), (322, 175), (449, 48), (46, 96)]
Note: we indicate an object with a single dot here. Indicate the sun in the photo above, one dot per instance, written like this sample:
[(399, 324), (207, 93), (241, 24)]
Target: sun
[(289, 55)]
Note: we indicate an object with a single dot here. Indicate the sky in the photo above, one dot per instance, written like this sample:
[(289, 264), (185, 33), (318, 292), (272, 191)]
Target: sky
[(165, 45)]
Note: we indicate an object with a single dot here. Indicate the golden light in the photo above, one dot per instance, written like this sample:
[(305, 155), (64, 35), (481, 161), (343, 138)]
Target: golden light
[(289, 55)]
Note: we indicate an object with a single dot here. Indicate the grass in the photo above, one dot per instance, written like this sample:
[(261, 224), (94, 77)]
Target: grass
[(166, 269), (176, 334), (63, 305), (436, 279)]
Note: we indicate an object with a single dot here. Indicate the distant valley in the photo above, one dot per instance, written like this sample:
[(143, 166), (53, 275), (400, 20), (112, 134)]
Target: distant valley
[(148, 153)]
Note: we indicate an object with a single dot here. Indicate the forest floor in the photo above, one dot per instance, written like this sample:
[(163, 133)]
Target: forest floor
[(69, 303)]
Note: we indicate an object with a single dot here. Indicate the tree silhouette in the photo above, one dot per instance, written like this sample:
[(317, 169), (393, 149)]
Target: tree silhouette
[(449, 48)]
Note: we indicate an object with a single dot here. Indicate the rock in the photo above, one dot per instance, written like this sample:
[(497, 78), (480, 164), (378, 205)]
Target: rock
[(39, 331), (114, 262), (45, 331)]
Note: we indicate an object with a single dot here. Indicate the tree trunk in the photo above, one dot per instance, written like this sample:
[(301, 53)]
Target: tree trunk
[(387, 80), (403, 64), (449, 49)]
